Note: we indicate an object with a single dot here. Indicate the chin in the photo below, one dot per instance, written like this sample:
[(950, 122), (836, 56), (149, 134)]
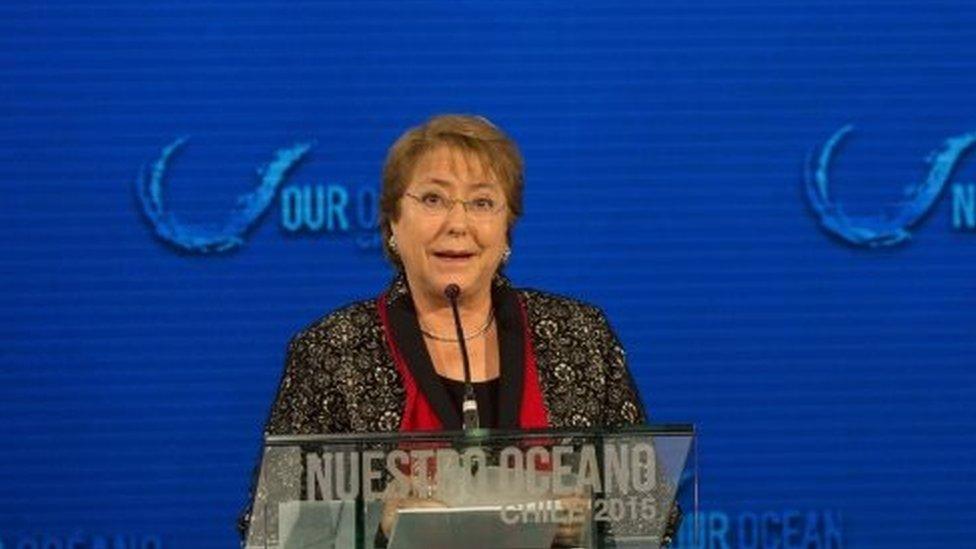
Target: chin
[(465, 280), (461, 281)]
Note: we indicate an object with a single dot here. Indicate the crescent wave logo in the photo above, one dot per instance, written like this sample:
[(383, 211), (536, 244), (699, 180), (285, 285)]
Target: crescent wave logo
[(332, 208), (893, 227)]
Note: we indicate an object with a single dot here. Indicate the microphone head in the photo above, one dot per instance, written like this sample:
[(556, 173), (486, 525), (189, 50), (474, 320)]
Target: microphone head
[(452, 291)]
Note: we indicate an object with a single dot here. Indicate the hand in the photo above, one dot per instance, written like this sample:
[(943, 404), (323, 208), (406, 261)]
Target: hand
[(393, 505), (570, 532)]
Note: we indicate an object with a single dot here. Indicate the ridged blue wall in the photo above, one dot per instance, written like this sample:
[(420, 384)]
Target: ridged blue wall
[(665, 145)]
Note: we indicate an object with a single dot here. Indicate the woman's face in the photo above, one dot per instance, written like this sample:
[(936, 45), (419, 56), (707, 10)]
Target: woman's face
[(438, 240)]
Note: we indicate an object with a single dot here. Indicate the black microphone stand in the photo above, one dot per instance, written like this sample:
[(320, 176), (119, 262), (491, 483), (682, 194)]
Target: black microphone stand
[(469, 408)]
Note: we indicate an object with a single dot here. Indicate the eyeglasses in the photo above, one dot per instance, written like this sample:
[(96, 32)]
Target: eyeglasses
[(434, 203)]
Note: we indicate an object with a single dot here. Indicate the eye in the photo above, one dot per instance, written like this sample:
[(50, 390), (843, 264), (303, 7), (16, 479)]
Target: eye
[(484, 204), (432, 199)]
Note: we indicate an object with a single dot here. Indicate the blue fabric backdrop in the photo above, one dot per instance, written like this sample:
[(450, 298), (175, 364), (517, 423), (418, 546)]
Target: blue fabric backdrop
[(665, 144)]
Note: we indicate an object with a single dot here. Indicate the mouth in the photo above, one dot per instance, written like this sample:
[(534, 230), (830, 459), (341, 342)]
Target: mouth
[(453, 256)]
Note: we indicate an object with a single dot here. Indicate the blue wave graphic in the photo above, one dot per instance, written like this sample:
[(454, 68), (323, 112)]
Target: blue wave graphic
[(891, 228), (249, 207)]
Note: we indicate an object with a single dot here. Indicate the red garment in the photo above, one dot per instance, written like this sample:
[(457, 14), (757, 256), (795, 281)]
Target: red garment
[(418, 415)]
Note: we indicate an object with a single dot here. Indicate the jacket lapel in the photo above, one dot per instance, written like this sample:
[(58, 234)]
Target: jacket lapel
[(410, 342), (511, 353)]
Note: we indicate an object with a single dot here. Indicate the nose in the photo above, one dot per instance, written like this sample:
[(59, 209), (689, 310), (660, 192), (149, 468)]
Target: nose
[(456, 220)]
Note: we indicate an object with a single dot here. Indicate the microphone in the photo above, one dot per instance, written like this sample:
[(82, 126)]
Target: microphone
[(469, 409)]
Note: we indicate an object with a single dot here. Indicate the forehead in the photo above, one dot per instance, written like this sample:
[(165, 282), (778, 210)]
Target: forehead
[(450, 167)]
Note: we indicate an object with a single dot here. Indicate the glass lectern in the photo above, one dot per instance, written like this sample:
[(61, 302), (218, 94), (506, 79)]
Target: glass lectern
[(627, 487)]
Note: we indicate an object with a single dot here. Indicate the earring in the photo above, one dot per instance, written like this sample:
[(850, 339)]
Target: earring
[(392, 244), (506, 255)]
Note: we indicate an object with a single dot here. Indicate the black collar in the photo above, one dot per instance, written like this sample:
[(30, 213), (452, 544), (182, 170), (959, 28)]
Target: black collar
[(511, 341)]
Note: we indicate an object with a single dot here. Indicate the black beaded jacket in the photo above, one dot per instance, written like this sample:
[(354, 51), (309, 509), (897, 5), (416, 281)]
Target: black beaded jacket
[(340, 375)]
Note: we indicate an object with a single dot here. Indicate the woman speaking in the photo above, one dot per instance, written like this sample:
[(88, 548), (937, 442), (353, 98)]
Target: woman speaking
[(451, 194)]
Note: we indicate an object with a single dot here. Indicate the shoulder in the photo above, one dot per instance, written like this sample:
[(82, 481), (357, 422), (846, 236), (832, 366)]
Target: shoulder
[(541, 306), (558, 322), (344, 328), (322, 363)]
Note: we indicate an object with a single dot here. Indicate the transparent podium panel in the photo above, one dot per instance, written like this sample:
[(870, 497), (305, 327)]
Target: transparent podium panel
[(494, 489)]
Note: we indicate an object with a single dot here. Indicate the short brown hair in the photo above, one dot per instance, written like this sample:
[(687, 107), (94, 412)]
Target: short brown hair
[(468, 134)]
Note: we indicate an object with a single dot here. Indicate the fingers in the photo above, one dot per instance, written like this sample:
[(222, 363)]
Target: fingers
[(570, 532), (569, 535), (392, 506)]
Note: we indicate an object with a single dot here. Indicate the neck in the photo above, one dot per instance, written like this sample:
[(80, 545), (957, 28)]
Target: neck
[(435, 315)]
